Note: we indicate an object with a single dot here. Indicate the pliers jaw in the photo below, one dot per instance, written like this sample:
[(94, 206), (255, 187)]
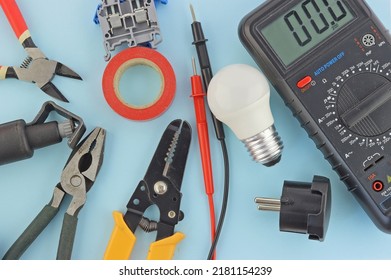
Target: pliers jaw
[(39, 70), (82, 168)]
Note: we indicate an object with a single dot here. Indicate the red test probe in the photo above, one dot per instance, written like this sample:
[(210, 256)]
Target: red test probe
[(203, 139)]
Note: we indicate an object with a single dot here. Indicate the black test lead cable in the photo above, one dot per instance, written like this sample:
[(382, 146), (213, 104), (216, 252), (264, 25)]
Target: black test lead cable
[(206, 69), (206, 72)]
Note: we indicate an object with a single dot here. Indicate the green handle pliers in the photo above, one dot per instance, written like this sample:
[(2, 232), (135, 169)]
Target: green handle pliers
[(77, 178)]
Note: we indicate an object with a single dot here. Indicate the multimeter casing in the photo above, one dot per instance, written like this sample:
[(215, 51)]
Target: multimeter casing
[(340, 91)]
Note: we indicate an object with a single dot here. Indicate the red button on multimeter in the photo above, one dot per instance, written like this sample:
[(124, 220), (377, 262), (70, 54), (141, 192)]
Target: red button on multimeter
[(304, 82)]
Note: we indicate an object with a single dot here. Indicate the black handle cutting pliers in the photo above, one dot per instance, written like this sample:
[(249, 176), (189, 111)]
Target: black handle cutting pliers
[(161, 186), (77, 178)]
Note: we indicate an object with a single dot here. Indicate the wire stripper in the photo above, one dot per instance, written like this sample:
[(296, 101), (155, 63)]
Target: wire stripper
[(161, 186)]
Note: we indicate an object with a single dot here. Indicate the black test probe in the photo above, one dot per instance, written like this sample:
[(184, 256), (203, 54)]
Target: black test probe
[(206, 72)]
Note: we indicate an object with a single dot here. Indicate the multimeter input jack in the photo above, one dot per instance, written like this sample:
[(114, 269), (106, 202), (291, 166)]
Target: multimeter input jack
[(378, 186)]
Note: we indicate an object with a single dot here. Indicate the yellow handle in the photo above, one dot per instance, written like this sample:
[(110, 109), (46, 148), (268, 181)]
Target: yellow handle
[(164, 249), (122, 240)]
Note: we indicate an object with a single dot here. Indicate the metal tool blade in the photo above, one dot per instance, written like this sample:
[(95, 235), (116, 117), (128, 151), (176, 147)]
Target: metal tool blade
[(95, 144), (87, 157), (178, 149), (65, 71), (170, 156), (50, 89), (171, 151)]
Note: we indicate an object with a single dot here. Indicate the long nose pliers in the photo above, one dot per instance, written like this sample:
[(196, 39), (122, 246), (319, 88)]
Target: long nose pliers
[(36, 68), (161, 186), (77, 178)]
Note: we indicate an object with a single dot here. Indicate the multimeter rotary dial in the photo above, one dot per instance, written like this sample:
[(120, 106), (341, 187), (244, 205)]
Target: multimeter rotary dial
[(363, 104)]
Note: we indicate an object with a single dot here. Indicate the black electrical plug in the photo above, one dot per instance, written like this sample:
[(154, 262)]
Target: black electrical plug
[(19, 139), (304, 207)]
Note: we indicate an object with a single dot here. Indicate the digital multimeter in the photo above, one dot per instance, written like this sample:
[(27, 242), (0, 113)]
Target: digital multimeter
[(331, 63)]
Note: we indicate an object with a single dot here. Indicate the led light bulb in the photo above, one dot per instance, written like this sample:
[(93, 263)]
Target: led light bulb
[(239, 96)]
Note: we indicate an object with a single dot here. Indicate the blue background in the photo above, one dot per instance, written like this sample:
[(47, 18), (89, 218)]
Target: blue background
[(65, 32)]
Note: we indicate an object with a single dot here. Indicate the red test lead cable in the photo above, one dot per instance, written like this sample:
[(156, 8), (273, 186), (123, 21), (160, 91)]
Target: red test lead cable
[(203, 139)]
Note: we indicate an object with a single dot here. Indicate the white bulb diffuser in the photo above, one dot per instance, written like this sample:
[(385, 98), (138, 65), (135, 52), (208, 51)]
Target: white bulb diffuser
[(239, 96)]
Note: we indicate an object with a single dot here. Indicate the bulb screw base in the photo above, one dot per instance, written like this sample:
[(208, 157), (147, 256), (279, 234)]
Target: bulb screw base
[(265, 147)]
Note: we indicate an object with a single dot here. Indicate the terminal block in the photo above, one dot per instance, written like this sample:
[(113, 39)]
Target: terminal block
[(131, 22)]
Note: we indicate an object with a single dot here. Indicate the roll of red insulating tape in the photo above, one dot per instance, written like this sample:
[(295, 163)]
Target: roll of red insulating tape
[(132, 57)]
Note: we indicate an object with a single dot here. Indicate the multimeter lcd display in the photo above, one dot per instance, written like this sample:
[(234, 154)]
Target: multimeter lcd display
[(305, 26)]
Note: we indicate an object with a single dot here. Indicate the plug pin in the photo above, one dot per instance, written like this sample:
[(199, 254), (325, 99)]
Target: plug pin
[(268, 204)]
